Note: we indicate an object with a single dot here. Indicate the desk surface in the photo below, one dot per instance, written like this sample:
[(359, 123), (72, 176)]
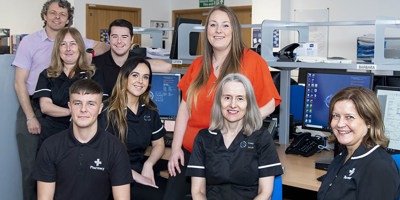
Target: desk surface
[(300, 171)]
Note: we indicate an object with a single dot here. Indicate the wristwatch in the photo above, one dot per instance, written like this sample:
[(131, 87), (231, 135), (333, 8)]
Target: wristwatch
[(90, 50)]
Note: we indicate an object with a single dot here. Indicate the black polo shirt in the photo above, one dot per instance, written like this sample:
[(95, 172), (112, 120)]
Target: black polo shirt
[(109, 69), (143, 128), (83, 171), (233, 173), (370, 173), (57, 89)]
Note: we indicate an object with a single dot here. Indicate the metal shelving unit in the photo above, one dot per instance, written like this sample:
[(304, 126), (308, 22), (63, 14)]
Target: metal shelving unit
[(267, 28)]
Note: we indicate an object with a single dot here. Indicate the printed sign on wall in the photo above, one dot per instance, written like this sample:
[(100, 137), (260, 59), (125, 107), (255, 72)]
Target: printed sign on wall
[(209, 3)]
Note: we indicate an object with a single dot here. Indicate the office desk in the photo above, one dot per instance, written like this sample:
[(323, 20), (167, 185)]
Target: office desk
[(300, 171)]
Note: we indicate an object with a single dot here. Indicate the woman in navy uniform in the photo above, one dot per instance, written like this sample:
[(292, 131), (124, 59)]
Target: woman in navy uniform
[(363, 170), (235, 158), (69, 63), (132, 116)]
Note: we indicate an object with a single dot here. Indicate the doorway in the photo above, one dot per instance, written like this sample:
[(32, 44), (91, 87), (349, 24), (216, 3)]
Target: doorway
[(99, 17)]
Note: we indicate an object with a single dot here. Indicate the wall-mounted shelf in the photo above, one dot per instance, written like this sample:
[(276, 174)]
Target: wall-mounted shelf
[(156, 34)]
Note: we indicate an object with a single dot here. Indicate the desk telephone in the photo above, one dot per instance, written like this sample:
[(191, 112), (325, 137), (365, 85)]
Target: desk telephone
[(306, 145)]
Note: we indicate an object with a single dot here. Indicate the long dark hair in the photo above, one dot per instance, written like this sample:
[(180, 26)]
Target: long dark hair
[(117, 103)]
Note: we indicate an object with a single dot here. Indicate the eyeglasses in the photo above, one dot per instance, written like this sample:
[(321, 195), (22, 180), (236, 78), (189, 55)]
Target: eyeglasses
[(54, 13)]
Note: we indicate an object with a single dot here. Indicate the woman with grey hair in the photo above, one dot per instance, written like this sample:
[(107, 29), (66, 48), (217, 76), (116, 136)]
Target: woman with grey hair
[(235, 158)]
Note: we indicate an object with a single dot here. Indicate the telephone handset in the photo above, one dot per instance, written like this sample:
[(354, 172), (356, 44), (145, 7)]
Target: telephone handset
[(286, 53), (305, 145)]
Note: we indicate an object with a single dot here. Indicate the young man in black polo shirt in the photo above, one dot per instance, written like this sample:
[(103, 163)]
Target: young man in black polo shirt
[(83, 162), (120, 34)]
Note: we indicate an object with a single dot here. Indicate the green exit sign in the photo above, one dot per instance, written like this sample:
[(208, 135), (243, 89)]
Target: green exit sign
[(209, 3)]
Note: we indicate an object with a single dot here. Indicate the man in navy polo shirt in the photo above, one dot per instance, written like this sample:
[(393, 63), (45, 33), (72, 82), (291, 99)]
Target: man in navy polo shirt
[(83, 162)]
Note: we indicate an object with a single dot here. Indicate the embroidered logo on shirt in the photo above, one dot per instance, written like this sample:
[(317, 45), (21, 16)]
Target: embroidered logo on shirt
[(247, 144), (97, 163), (147, 118), (351, 172), (250, 145), (243, 144)]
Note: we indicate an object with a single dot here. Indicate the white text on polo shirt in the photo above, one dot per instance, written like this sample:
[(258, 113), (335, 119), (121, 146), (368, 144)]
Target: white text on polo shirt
[(97, 163)]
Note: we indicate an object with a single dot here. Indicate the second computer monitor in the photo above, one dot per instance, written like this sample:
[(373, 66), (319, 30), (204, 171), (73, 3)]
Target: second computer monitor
[(389, 100), (320, 88), (194, 37), (166, 94)]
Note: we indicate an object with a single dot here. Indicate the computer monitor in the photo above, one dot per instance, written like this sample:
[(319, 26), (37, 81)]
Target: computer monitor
[(389, 100), (302, 77), (320, 88), (166, 94), (194, 37)]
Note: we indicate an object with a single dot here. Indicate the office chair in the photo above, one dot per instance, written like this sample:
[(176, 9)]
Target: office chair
[(277, 192), (396, 158)]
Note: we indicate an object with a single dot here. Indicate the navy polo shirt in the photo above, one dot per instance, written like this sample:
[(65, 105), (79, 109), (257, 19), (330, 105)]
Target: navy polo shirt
[(143, 127), (370, 173), (234, 172), (83, 170)]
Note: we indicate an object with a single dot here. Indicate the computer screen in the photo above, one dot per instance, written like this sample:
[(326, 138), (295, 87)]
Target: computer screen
[(166, 94), (302, 77), (389, 100), (320, 88), (194, 37)]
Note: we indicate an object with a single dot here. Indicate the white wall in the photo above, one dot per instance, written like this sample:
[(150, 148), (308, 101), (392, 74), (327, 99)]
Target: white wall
[(262, 10), (21, 16), (149, 12), (342, 40)]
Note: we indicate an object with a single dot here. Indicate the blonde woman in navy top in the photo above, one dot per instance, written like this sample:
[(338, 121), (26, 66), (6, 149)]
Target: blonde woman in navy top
[(235, 158), (68, 64), (363, 170)]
